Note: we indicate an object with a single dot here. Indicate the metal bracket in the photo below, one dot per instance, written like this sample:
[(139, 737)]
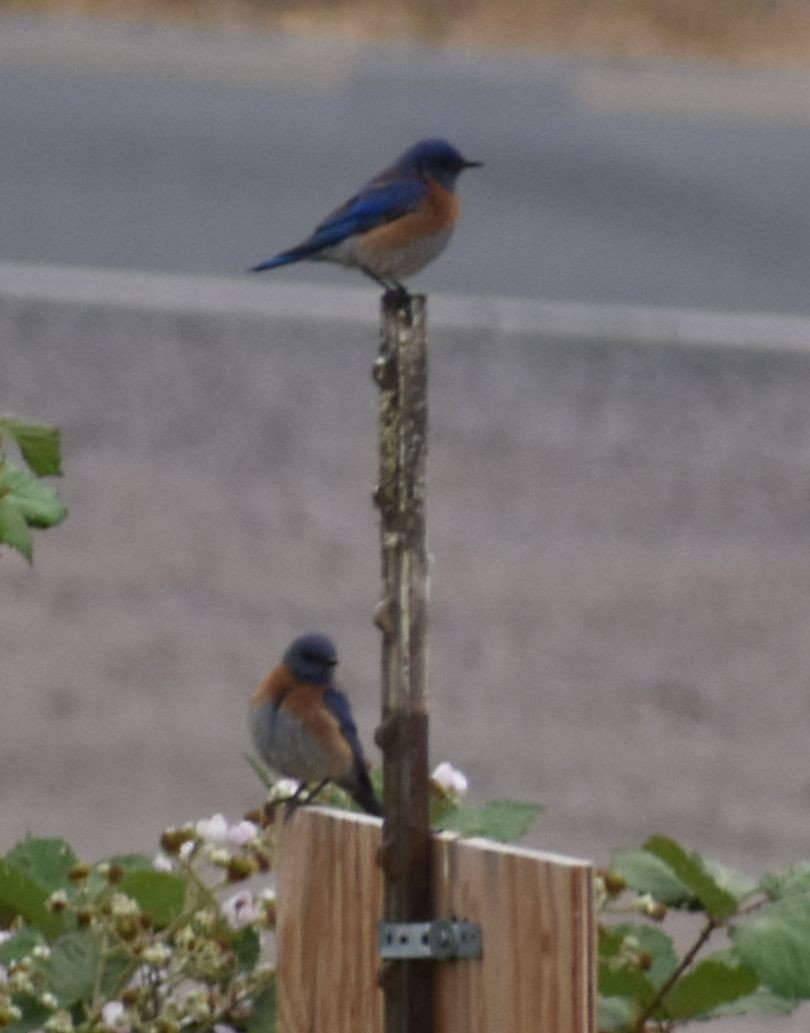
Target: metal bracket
[(440, 939)]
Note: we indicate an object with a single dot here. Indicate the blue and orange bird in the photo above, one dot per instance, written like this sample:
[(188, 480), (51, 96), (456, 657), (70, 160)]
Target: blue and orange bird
[(397, 223), (303, 725)]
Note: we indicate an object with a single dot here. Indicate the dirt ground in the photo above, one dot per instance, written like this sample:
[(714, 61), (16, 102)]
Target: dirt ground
[(620, 586)]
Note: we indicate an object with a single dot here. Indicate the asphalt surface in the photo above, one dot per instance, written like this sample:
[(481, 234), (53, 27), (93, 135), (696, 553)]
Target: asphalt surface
[(205, 153)]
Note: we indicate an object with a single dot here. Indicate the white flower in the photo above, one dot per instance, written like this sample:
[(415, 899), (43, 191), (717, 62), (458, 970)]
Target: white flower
[(59, 1022), (41, 951), (240, 909), (241, 833), (283, 789), (49, 1001), (162, 863), (218, 856), (213, 829), (121, 905), (114, 1016), (157, 954), (451, 782)]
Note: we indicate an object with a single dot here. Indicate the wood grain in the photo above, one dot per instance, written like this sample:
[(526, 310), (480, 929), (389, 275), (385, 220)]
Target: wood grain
[(537, 974)]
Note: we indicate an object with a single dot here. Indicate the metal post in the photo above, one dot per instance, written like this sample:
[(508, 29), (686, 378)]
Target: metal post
[(401, 374)]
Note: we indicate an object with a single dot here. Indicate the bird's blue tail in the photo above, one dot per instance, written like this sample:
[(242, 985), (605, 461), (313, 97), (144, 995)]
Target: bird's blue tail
[(295, 254)]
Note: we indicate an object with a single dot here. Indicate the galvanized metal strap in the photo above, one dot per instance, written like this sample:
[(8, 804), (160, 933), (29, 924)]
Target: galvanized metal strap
[(442, 939)]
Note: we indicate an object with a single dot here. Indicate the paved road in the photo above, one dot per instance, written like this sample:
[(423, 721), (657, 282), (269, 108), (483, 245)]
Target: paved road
[(199, 153)]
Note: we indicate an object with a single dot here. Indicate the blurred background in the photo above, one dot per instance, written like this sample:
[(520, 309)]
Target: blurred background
[(619, 495)]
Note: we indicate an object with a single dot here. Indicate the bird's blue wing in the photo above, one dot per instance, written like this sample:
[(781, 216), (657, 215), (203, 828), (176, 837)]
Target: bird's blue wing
[(339, 705), (376, 204), (380, 201)]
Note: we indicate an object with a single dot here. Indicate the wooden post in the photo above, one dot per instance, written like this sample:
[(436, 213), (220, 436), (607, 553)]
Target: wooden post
[(401, 374)]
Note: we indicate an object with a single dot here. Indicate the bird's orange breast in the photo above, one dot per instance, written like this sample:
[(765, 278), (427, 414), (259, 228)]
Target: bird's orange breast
[(436, 214)]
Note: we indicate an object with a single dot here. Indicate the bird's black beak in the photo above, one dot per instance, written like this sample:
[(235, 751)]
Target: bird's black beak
[(473, 165)]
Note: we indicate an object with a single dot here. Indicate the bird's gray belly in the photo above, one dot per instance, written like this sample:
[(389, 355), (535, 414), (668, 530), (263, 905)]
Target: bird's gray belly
[(389, 264), (286, 746)]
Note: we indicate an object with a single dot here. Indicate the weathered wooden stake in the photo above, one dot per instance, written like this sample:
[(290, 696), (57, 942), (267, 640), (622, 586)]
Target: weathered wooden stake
[(401, 374)]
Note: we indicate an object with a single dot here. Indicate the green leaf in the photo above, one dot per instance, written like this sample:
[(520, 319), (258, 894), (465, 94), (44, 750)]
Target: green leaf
[(790, 883), (248, 948), (132, 862), (117, 973), (625, 981), (775, 944), (503, 820), (71, 967), (162, 895), (654, 942), (615, 1013), (760, 1002), (736, 883), (646, 873), (38, 444), (21, 895), (20, 944), (709, 984), (689, 868), (46, 861), (38, 503), (34, 1016), (13, 528), (263, 1018)]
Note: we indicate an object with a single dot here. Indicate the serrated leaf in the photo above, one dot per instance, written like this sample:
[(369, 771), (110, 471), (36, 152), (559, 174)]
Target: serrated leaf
[(502, 820), (615, 1013), (38, 503), (46, 861), (14, 529), (263, 1017), (38, 444), (790, 883), (656, 943), (689, 868), (162, 895), (646, 873), (21, 895), (775, 944), (71, 967), (708, 985)]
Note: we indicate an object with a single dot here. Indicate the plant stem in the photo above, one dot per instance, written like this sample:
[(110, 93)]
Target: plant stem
[(684, 964)]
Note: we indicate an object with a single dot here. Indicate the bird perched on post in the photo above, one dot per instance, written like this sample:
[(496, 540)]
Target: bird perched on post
[(397, 223), (303, 725)]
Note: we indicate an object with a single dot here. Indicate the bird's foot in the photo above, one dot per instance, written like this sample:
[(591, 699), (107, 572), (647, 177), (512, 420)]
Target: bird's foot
[(397, 296)]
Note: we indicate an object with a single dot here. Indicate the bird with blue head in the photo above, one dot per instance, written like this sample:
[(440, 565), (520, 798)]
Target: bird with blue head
[(303, 726), (394, 225)]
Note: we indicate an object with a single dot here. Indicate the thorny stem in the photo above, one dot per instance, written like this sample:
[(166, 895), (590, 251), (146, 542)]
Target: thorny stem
[(685, 962)]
